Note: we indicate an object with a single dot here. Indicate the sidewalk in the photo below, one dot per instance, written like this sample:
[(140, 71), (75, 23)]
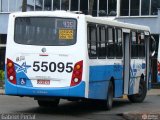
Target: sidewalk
[(1, 91), (153, 92)]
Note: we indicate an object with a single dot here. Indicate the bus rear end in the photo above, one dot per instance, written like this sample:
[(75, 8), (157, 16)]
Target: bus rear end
[(43, 56)]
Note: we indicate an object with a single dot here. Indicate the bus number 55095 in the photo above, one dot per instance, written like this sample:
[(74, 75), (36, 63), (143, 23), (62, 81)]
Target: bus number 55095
[(52, 66)]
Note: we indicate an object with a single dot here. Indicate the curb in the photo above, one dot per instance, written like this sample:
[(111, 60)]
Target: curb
[(2, 91), (155, 85), (2, 94), (153, 92)]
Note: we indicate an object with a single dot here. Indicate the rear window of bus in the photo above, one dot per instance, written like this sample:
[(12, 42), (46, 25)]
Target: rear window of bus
[(45, 31)]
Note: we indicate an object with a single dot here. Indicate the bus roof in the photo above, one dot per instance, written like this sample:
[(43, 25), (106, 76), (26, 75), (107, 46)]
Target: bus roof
[(89, 18), (111, 22)]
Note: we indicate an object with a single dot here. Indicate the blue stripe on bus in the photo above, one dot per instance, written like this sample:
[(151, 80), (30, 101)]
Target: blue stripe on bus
[(19, 90), (105, 72), (23, 77), (10, 89), (99, 77)]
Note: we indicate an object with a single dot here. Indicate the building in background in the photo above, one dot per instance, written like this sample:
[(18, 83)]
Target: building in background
[(142, 12)]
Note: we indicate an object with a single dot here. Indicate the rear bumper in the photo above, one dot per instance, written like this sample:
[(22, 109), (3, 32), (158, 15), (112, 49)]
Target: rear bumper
[(17, 90)]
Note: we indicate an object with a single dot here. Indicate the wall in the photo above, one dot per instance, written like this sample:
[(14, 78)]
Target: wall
[(152, 21), (3, 23)]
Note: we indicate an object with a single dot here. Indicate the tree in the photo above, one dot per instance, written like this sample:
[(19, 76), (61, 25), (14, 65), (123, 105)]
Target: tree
[(24, 5)]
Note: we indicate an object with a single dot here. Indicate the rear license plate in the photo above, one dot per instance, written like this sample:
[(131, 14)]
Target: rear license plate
[(43, 82)]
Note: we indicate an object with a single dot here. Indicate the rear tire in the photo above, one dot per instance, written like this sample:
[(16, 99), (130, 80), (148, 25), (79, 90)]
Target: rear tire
[(107, 104), (137, 98), (44, 103)]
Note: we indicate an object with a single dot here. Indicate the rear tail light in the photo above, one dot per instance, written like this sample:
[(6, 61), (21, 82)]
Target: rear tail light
[(11, 74), (158, 64), (77, 73)]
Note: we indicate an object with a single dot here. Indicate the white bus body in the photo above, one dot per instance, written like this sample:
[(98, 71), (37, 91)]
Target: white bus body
[(51, 54)]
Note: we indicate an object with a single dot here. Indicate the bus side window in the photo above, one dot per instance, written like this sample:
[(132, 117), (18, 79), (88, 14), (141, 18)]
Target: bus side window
[(102, 42), (119, 43), (134, 47), (92, 41), (141, 45), (110, 44)]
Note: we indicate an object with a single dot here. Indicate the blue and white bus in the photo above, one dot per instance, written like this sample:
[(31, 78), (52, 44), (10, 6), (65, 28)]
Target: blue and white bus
[(62, 55)]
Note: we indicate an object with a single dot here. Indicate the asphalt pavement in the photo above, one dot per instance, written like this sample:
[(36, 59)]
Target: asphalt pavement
[(122, 109)]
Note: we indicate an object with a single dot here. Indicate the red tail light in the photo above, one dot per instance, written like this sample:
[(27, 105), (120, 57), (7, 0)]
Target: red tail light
[(11, 74), (77, 73), (158, 64)]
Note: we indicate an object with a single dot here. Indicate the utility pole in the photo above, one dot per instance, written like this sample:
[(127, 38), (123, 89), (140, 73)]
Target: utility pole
[(24, 5), (91, 2)]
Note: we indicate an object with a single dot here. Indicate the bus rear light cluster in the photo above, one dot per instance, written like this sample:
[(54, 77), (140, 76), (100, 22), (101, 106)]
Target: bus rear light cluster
[(11, 74), (158, 67), (77, 73)]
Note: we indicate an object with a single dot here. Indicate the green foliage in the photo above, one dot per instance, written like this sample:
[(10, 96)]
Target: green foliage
[(1, 75), (1, 78)]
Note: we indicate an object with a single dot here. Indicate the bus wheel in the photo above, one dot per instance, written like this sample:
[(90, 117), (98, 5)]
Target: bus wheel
[(107, 104), (137, 98), (44, 103)]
